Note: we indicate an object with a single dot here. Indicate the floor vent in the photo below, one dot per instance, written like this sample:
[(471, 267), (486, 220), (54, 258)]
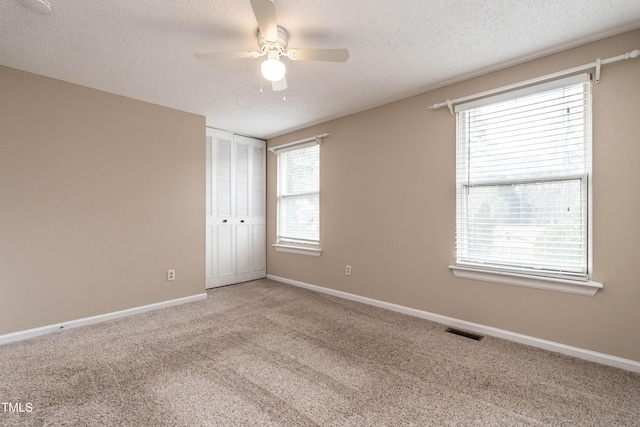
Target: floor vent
[(465, 334)]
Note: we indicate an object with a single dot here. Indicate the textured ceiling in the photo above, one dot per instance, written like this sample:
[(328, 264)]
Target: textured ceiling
[(144, 49)]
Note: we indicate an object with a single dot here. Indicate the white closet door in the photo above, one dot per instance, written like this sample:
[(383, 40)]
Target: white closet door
[(242, 201), (236, 237), (224, 210)]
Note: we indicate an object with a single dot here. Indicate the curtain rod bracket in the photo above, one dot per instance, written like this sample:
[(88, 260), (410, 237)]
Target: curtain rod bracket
[(450, 106), (316, 138)]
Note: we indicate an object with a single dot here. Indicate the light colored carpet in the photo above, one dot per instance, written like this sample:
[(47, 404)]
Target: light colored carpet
[(268, 354)]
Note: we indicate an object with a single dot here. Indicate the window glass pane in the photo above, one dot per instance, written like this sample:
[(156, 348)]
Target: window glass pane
[(537, 225), (300, 217), (536, 136), (301, 168)]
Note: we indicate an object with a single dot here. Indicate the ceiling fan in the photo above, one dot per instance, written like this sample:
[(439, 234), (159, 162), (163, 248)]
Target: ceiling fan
[(273, 41)]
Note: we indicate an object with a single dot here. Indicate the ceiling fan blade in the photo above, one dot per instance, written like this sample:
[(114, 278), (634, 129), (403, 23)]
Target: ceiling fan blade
[(214, 56), (279, 85), (265, 12), (330, 55)]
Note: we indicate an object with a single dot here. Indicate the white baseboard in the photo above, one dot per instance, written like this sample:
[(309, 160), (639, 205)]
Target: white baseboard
[(30, 333), (592, 356)]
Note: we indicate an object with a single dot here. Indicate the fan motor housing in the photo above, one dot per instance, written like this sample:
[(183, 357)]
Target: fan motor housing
[(280, 44)]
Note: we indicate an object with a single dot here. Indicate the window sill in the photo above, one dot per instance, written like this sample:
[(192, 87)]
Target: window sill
[(588, 288), (301, 250)]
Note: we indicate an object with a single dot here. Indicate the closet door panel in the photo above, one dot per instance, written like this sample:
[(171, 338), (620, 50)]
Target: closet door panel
[(224, 209), (243, 251), (224, 258), (223, 173), (241, 173), (242, 188), (258, 236), (258, 211)]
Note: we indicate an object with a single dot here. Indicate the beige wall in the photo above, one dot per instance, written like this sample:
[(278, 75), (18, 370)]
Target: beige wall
[(99, 196), (388, 209)]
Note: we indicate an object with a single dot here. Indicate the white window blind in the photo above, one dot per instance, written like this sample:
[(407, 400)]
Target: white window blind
[(299, 195), (523, 164)]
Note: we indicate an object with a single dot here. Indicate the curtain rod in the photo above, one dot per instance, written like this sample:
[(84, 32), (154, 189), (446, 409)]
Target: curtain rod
[(315, 138), (596, 64)]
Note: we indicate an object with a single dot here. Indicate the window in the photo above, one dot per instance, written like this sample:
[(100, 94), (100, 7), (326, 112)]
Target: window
[(299, 198), (523, 172)]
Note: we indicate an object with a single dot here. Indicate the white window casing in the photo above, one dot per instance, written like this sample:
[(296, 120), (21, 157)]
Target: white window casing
[(298, 197), (523, 210)]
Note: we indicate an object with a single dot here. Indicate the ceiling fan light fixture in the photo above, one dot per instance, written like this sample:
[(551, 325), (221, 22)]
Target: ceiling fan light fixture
[(273, 69), (273, 41)]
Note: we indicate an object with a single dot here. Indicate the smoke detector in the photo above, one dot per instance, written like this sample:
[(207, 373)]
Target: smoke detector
[(40, 6)]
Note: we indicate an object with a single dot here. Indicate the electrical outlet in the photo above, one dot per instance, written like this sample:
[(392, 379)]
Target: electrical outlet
[(348, 270), (171, 275)]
